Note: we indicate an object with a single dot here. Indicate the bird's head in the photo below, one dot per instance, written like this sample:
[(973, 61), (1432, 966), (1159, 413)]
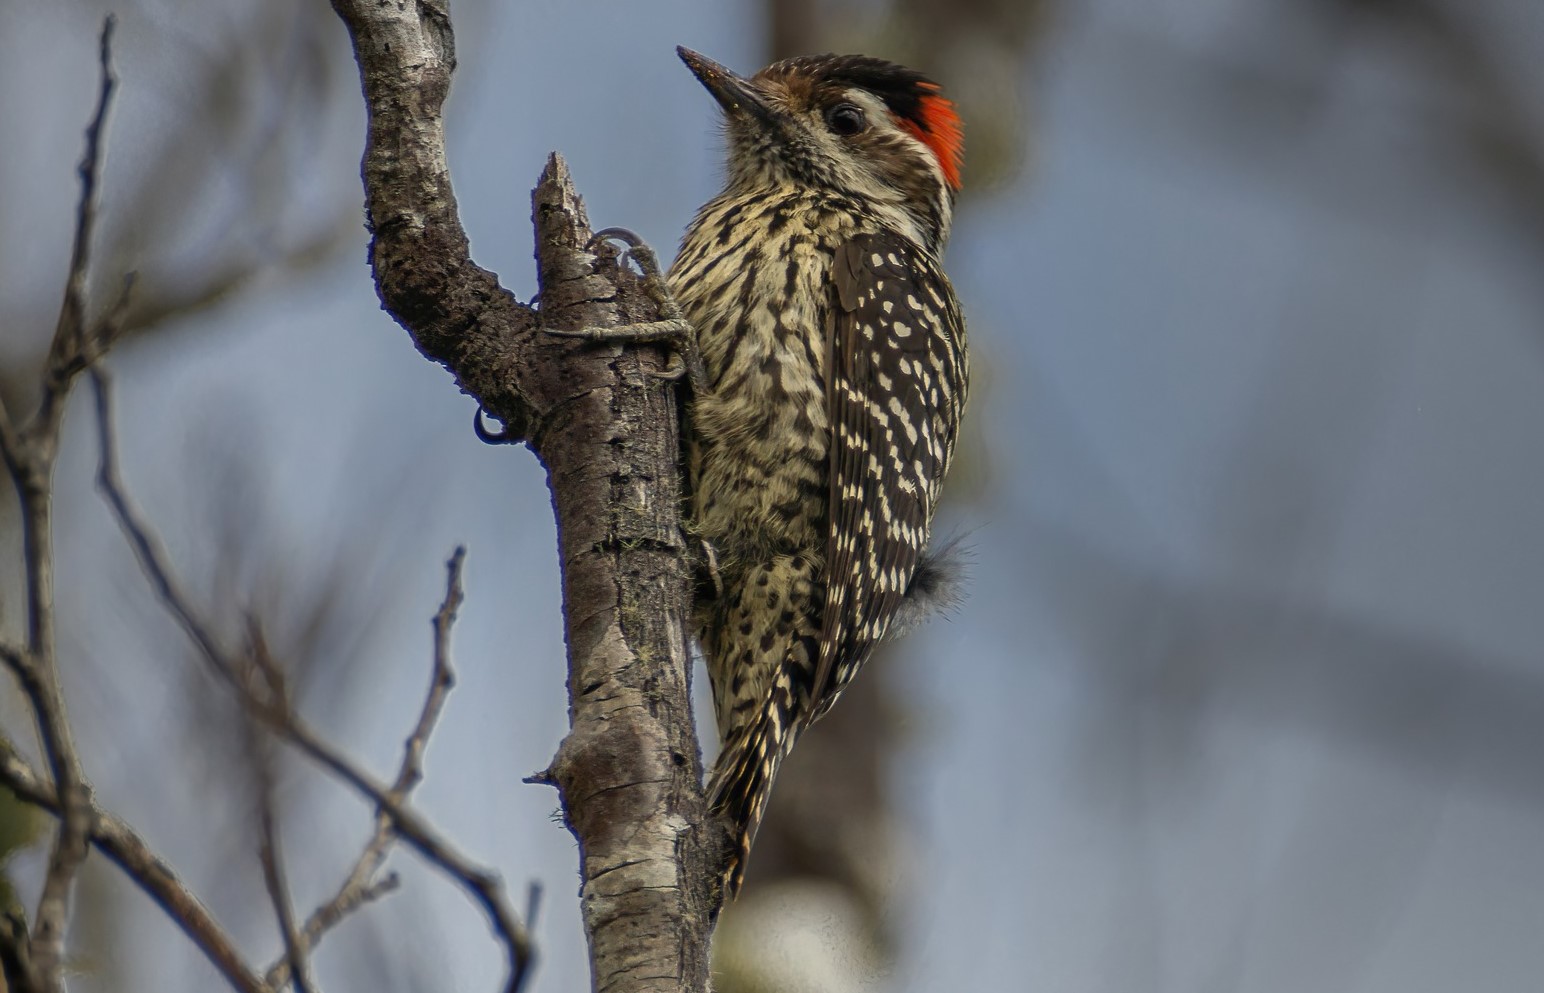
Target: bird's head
[(862, 127)]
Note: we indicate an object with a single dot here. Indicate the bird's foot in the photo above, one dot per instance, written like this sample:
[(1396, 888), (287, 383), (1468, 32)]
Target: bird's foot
[(707, 573), (671, 330), (509, 434)]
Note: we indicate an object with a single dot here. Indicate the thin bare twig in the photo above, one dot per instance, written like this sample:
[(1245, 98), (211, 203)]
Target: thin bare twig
[(260, 667), (150, 873), (271, 857), (111, 327), (349, 898), (441, 681), (68, 354), (482, 884), (15, 658), (15, 959), (360, 886), (152, 559), (269, 706), (30, 452)]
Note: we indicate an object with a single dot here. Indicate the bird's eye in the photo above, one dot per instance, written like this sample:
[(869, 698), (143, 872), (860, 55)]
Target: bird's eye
[(845, 119)]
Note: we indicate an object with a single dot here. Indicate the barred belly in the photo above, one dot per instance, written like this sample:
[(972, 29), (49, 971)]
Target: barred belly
[(759, 438)]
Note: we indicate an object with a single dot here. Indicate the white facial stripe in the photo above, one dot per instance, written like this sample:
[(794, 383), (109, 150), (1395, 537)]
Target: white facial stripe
[(842, 167), (880, 115), (875, 108)]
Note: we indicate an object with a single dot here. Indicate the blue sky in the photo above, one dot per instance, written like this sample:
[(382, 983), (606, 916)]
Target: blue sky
[(1248, 693)]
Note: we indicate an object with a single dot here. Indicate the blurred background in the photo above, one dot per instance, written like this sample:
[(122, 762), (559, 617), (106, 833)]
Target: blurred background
[(1248, 696)]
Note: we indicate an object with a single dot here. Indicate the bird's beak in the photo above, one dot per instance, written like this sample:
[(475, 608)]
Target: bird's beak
[(735, 94)]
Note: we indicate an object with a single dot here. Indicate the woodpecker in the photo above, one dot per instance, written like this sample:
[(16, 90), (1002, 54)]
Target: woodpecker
[(834, 358)]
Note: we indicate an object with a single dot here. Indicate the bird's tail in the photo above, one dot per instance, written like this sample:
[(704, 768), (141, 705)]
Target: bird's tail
[(742, 780)]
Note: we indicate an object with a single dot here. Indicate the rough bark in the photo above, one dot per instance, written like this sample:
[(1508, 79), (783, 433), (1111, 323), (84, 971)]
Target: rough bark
[(606, 430)]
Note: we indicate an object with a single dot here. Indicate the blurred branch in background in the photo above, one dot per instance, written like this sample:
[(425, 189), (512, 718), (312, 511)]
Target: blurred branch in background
[(30, 447), (36, 962), (1492, 113), (235, 188), (1307, 427), (1448, 82), (261, 686), (226, 188), (148, 870), (1435, 708)]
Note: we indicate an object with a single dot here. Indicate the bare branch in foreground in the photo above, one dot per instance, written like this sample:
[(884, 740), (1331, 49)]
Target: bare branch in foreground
[(259, 753), (258, 684), (70, 350), (115, 839), (271, 857), (361, 885), (29, 452), (482, 884)]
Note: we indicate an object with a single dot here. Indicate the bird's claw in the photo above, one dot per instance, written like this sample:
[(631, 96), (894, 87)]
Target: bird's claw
[(638, 250), (686, 361), (509, 434), (675, 368), (671, 330), (710, 567)]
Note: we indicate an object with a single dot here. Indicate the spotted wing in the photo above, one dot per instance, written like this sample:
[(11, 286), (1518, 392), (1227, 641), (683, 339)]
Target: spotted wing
[(896, 381)]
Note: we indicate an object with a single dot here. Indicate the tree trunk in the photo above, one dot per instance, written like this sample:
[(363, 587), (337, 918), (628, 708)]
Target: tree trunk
[(605, 426)]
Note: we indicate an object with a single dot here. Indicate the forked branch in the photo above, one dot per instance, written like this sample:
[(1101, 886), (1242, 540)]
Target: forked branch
[(604, 425)]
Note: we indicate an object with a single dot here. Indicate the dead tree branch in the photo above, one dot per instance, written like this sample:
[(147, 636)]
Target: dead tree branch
[(605, 428), (119, 842), (258, 683), (362, 886), (34, 962), (270, 854), (30, 450)]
